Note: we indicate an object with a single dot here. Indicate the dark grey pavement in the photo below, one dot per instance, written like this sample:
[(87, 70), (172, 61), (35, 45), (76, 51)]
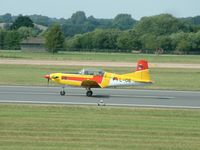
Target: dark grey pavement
[(109, 97)]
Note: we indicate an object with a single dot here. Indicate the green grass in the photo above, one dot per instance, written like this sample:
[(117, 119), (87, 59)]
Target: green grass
[(28, 127), (117, 57), (178, 79)]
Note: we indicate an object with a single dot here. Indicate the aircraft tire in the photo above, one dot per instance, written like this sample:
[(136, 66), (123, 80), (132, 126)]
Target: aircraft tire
[(62, 93), (89, 93)]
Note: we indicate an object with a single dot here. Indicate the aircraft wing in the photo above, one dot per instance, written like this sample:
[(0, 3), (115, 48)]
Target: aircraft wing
[(90, 84)]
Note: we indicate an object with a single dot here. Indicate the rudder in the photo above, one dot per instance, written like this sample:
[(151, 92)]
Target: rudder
[(142, 65)]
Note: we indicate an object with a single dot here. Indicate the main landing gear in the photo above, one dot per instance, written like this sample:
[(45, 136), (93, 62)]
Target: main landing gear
[(89, 92)]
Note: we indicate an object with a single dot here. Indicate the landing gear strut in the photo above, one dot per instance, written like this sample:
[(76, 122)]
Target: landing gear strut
[(62, 93), (89, 92)]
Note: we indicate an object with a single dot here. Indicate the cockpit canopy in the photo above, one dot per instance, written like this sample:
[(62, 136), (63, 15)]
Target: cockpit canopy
[(92, 71)]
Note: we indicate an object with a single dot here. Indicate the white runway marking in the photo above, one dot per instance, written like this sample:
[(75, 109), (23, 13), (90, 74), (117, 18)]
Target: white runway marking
[(106, 104)]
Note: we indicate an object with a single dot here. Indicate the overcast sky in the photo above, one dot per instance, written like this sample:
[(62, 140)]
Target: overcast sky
[(101, 8)]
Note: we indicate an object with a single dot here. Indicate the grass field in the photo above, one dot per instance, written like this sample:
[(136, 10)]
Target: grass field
[(178, 79), (43, 127), (28, 127), (84, 56)]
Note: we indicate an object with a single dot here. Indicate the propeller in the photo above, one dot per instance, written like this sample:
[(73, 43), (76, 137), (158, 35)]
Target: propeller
[(48, 81), (48, 78)]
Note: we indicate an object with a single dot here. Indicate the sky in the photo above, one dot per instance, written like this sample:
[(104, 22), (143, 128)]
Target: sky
[(101, 8)]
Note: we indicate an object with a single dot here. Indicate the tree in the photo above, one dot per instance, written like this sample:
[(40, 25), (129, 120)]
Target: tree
[(195, 38), (54, 39), (129, 40), (73, 43), (12, 40), (123, 21), (22, 21), (181, 42), (164, 24), (194, 20), (105, 39), (7, 18), (164, 42), (24, 32), (78, 17), (2, 38), (9, 40), (42, 20), (99, 39), (149, 42), (79, 23)]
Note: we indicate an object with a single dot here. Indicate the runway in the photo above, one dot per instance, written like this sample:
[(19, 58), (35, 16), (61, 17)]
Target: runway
[(107, 97)]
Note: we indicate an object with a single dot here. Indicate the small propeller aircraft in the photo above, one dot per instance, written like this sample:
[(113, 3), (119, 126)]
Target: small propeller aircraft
[(96, 78)]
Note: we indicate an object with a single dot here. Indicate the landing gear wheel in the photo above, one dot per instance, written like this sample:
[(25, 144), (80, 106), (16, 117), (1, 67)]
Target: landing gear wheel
[(62, 93), (89, 93)]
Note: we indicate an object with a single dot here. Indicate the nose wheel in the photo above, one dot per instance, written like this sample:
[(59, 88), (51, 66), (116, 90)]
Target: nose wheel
[(62, 93)]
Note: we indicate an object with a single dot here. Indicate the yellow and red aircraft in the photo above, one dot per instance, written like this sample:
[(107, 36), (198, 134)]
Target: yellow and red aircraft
[(96, 78)]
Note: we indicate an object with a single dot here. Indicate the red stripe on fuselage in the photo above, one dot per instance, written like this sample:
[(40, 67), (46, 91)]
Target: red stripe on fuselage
[(98, 79)]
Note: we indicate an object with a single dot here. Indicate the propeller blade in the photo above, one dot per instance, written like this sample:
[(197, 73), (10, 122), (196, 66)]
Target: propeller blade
[(48, 78)]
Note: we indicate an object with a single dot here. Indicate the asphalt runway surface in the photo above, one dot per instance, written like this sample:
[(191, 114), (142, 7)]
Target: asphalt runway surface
[(107, 97)]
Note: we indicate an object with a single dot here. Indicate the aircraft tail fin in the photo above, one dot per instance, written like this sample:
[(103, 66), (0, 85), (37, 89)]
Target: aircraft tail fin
[(142, 65), (142, 72)]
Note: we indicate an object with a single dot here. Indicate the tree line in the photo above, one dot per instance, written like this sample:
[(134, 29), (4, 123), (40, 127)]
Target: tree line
[(78, 23), (160, 33)]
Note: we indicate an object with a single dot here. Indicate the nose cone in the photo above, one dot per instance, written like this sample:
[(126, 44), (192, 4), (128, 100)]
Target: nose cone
[(47, 76)]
